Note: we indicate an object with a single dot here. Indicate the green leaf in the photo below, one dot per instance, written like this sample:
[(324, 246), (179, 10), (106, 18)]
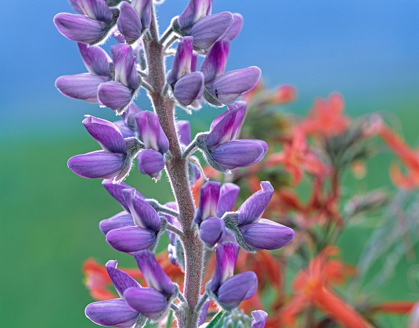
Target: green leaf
[(217, 318), (169, 319)]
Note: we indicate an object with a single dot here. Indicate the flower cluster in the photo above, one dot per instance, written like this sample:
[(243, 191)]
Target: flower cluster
[(157, 142)]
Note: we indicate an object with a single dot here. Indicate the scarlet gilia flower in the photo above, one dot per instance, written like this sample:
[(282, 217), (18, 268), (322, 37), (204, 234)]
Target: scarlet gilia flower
[(326, 117), (285, 94), (312, 287), (297, 158), (408, 156)]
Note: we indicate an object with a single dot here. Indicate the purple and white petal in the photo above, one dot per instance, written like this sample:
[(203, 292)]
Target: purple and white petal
[(239, 153), (126, 132), (253, 208), (235, 27), (150, 162), (129, 24), (195, 11), (130, 239), (208, 200), (209, 29), (231, 85), (183, 60), (75, 6), (111, 313), (211, 230), (106, 134), (121, 280), (147, 301), (97, 164), (144, 215), (151, 132), (228, 196), (237, 289), (154, 275), (116, 191), (259, 319), (129, 116), (189, 88), (80, 28), (226, 254), (204, 313), (267, 234), (215, 61), (114, 95), (95, 59), (120, 220), (81, 86), (183, 129), (125, 66), (143, 9), (96, 9)]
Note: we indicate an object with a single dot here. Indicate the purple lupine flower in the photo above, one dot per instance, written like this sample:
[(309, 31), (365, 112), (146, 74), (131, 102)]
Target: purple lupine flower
[(221, 150), (260, 233), (118, 94), (143, 234), (195, 11), (174, 242), (227, 289), (117, 192), (129, 24), (197, 21), (204, 313), (235, 28), (154, 301), (114, 161), (151, 160), (183, 129), (223, 88), (187, 85), (214, 201), (128, 125), (115, 312), (84, 86), (259, 319), (92, 26), (143, 10), (120, 220)]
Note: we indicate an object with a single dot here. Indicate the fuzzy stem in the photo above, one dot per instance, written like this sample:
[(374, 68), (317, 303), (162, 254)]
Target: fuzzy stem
[(177, 171)]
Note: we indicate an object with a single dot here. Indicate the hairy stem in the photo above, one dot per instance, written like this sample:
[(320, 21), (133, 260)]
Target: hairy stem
[(178, 175)]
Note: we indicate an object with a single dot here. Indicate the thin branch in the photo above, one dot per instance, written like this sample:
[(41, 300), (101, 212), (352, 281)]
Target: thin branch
[(182, 298), (189, 149), (170, 42), (201, 303), (166, 34), (161, 208), (175, 230), (147, 86), (174, 308)]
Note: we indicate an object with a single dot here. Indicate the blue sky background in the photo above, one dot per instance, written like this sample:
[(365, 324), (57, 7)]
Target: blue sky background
[(366, 49)]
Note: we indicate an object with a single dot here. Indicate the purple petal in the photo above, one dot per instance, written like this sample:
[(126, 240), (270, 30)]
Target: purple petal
[(259, 319), (239, 153), (253, 208), (183, 129), (143, 9), (116, 191), (225, 127), (266, 234), (130, 239), (215, 61), (95, 59), (80, 86), (183, 60), (111, 313), (228, 196), (154, 275), (196, 10), (235, 27), (75, 6), (209, 29), (114, 95), (204, 313), (80, 28), (173, 221), (189, 88), (211, 231), (106, 134), (236, 289), (96, 9), (226, 254), (126, 132), (97, 164), (151, 132), (208, 200), (125, 66), (121, 280), (144, 214), (227, 87), (123, 219), (150, 162), (146, 301), (129, 116), (129, 24)]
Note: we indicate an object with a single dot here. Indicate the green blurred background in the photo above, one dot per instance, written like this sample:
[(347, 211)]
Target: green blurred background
[(367, 50)]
